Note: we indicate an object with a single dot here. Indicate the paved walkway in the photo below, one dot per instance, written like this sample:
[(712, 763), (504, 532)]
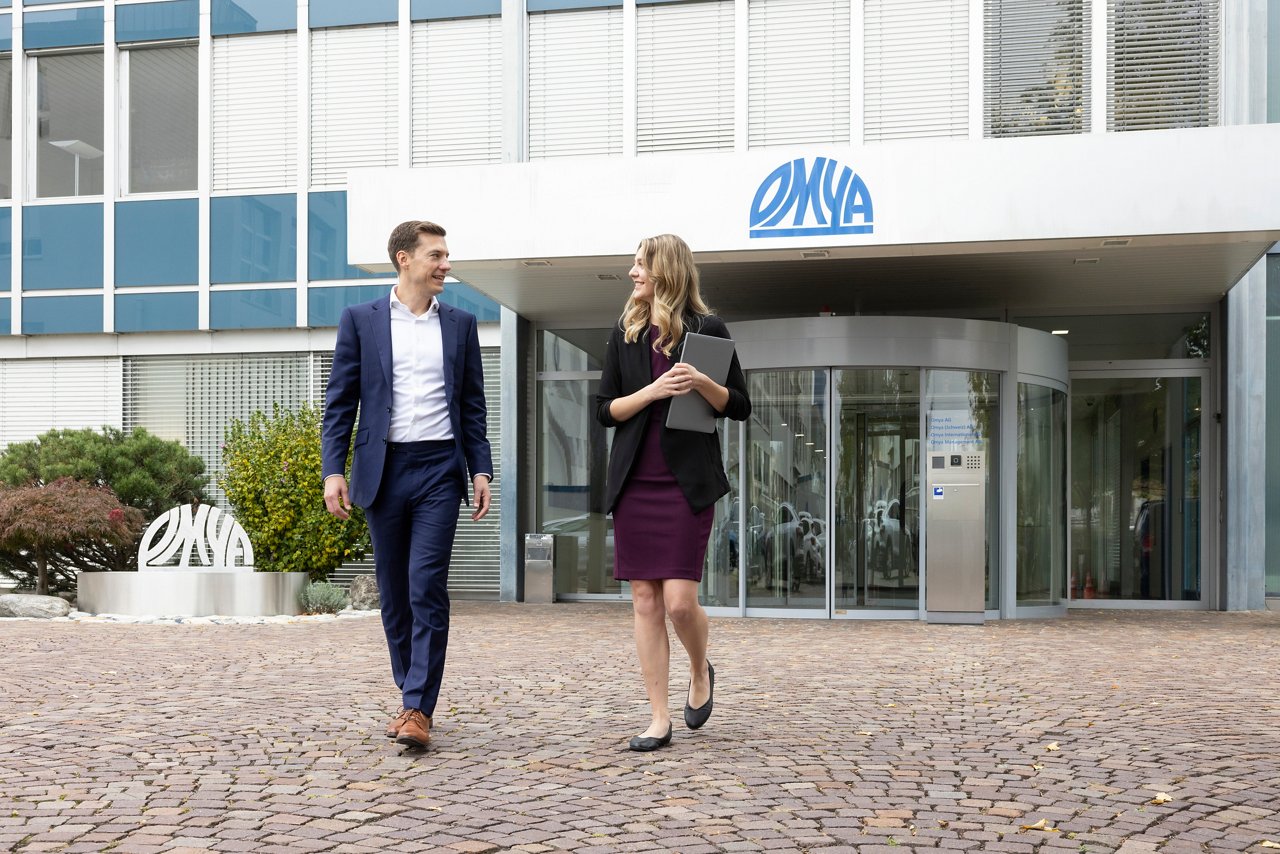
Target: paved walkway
[(1056, 735)]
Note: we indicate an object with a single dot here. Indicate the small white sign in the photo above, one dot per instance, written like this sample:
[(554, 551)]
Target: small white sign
[(938, 492)]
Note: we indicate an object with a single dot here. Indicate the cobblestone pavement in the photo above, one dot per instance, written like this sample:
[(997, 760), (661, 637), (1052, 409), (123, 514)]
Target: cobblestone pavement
[(1053, 735)]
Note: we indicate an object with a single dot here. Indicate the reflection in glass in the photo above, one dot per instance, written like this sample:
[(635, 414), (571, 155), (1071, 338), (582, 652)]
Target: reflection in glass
[(572, 350), (971, 398), (573, 454), (69, 124), (1111, 337), (1036, 83), (6, 127), (1135, 480), (162, 119), (786, 490), (877, 488), (720, 573), (1042, 511)]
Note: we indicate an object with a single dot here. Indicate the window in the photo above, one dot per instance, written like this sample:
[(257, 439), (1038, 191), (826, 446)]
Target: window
[(69, 124), (575, 83), (161, 130), (684, 86), (798, 79), (1037, 67), (6, 127), (1162, 67), (354, 115), (917, 69), (255, 111), (457, 91)]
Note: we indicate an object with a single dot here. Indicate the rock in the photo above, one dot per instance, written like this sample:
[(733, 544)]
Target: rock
[(364, 593), (31, 605)]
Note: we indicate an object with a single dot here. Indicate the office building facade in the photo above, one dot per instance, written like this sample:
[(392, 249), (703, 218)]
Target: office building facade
[(895, 204)]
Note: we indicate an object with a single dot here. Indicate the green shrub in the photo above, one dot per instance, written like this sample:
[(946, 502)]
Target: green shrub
[(321, 597), (146, 473), (274, 486)]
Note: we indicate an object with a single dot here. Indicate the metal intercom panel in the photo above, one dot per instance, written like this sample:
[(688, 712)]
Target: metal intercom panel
[(956, 539)]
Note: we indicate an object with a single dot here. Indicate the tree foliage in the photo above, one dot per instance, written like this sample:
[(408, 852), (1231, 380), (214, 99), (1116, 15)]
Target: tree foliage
[(273, 481), (145, 473), (50, 522)]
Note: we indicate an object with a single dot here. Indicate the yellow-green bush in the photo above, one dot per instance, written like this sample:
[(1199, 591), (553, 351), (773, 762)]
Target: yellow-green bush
[(274, 485)]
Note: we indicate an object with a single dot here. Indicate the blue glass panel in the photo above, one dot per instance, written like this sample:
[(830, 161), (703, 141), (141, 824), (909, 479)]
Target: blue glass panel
[(426, 10), (6, 315), (6, 31), (61, 247), (5, 4), (327, 239), (157, 243), (6, 249), (253, 238), (340, 13), (51, 315), (469, 299), (176, 19), (64, 28), (265, 309), (556, 5), (157, 312), (253, 16), (325, 305)]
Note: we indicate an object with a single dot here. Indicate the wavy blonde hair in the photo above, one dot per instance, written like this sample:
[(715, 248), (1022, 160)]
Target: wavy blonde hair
[(669, 264)]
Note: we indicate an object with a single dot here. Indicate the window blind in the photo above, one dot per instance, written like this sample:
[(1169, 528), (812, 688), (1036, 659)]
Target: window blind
[(1162, 64), (1037, 68), (255, 111), (354, 114), (575, 83), (916, 69), (798, 72), (457, 91), (684, 77)]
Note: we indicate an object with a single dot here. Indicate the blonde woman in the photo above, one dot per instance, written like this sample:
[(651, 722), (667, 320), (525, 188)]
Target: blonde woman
[(663, 484)]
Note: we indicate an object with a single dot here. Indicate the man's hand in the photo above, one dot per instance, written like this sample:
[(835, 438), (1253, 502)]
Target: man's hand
[(336, 500), (480, 491)]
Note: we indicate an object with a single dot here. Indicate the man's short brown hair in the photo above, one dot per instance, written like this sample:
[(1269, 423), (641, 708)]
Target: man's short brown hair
[(405, 237)]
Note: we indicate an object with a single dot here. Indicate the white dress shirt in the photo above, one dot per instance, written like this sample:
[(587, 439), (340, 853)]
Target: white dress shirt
[(419, 408)]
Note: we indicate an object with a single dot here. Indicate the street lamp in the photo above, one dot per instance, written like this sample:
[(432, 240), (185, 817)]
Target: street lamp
[(80, 150)]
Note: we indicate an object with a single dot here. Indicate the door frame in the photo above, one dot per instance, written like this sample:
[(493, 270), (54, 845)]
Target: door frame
[(1209, 475)]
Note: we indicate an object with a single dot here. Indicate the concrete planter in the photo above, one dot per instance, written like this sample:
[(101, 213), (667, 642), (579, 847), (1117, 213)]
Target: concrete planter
[(186, 593)]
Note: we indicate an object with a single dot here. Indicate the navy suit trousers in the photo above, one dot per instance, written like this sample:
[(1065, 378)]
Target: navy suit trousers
[(411, 524)]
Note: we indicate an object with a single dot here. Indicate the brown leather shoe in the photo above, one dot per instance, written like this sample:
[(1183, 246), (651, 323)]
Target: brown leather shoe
[(393, 727), (416, 729)]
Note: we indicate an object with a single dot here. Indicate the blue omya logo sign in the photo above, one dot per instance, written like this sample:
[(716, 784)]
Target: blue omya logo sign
[(835, 195)]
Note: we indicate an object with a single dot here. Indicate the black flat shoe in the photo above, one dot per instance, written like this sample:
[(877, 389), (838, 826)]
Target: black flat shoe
[(694, 718), (644, 743)]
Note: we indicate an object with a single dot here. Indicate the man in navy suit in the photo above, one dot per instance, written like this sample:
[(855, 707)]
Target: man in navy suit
[(411, 366)]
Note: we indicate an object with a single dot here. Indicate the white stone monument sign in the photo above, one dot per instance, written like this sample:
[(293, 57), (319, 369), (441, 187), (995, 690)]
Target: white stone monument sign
[(206, 539), (193, 561)]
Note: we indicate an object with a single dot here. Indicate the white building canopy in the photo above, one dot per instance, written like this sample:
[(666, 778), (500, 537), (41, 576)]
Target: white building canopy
[(1170, 217)]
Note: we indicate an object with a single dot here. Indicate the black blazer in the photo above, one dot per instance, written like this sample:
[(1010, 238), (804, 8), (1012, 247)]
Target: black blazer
[(693, 457)]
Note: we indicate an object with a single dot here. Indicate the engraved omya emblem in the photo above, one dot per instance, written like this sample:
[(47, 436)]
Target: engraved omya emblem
[(202, 539)]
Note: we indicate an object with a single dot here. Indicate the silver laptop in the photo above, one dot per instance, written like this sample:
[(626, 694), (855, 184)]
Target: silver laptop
[(711, 355)]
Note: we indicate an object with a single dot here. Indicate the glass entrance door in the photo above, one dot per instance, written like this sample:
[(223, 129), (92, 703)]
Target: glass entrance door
[(876, 490), (785, 492), (1136, 475)]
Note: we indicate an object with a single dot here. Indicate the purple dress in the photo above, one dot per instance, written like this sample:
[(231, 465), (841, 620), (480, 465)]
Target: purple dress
[(655, 534)]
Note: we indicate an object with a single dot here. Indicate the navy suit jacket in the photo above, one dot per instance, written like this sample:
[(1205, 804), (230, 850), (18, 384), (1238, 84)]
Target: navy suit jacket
[(361, 378)]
